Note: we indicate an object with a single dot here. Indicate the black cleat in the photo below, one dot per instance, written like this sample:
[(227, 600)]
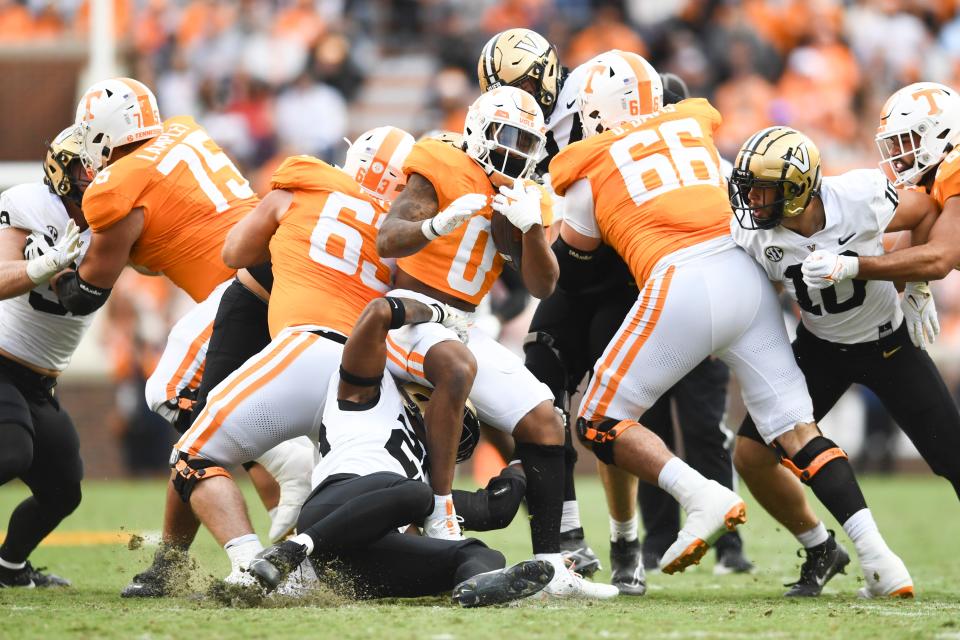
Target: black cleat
[(272, 565), (651, 560), (504, 585), (156, 580), (28, 578), (626, 568), (732, 561), (578, 554), (823, 562)]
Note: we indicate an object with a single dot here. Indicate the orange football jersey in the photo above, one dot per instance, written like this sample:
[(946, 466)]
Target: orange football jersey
[(325, 263), (465, 263), (191, 195), (946, 183), (657, 186)]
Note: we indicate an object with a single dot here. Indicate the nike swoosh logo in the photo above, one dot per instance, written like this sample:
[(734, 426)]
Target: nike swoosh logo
[(888, 354), (571, 103), (847, 239)]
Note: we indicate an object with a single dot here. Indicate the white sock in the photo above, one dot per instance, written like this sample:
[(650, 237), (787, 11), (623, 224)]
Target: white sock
[(440, 505), (626, 530), (679, 480), (241, 550), (12, 565), (571, 516), (305, 540), (553, 558), (813, 537), (865, 535)]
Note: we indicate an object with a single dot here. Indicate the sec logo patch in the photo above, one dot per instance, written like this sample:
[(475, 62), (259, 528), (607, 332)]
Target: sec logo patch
[(774, 254)]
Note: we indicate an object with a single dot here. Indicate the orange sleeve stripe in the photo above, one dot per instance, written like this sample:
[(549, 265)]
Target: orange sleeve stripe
[(188, 360), (258, 384)]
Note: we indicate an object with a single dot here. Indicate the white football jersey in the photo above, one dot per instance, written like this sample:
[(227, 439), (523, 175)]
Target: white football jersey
[(858, 206), (369, 440), (563, 126), (36, 328)]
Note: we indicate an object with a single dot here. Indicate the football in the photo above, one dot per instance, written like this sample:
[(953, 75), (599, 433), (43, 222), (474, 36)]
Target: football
[(507, 239)]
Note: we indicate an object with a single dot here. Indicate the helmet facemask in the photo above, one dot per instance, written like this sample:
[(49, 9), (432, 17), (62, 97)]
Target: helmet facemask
[(904, 157), (511, 151), (741, 182), (504, 132), (62, 166)]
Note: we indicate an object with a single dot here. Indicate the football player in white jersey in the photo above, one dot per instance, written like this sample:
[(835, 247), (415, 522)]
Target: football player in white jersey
[(852, 332), (42, 233), (371, 483), (571, 327)]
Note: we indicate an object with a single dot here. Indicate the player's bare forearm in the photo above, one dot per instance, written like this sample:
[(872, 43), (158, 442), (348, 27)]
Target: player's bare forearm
[(248, 242), (932, 260), (109, 250), (14, 280), (401, 234), (365, 354), (539, 265)]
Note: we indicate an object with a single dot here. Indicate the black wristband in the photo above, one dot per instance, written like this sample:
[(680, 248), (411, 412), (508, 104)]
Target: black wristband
[(398, 312), (359, 381)]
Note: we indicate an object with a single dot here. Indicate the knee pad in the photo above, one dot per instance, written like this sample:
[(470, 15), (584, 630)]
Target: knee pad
[(542, 358), (601, 435), (504, 494), (813, 457), (190, 471)]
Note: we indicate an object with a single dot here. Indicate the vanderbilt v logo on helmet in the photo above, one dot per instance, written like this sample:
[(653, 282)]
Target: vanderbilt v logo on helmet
[(778, 158), (524, 59)]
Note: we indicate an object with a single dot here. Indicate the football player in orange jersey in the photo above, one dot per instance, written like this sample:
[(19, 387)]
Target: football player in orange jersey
[(918, 137), (162, 198), (439, 228), (318, 226), (646, 181)]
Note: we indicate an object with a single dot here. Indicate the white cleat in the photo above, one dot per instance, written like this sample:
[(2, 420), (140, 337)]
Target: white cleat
[(301, 582), (291, 464), (443, 523), (240, 578), (568, 585), (714, 511), (886, 577)]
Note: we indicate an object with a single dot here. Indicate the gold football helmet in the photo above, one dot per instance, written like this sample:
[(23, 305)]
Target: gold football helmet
[(58, 173), (522, 58), (415, 399), (780, 158)]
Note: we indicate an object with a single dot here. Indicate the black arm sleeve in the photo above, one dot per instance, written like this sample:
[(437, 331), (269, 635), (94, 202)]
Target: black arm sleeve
[(78, 297)]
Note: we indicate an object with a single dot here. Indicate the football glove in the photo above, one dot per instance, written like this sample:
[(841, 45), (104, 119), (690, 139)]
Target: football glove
[(520, 204), (920, 314), (822, 269), (45, 260), (451, 318), (458, 212)]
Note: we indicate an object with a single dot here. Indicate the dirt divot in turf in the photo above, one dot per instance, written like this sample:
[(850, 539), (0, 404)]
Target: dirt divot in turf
[(324, 590)]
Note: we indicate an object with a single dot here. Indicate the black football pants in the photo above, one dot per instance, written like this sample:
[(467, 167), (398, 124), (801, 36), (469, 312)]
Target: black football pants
[(356, 519), (903, 377)]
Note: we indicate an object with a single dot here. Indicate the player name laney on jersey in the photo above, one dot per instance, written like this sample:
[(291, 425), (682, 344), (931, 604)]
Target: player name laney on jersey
[(858, 206)]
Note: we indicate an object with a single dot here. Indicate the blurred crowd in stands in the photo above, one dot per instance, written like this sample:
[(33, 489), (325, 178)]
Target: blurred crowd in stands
[(269, 78)]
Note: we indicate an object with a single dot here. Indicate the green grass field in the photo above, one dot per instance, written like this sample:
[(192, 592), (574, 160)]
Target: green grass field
[(918, 515)]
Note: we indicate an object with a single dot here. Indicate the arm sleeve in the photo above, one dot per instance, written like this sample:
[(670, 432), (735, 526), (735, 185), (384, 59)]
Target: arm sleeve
[(578, 210)]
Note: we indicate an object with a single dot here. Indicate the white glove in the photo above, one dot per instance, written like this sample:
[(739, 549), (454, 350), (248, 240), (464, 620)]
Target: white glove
[(822, 269), (920, 314), (458, 212), (520, 204), (452, 318), (44, 262)]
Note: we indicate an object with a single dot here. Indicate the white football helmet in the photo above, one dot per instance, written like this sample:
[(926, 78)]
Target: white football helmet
[(113, 113), (375, 161), (505, 133), (919, 125), (620, 87)]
